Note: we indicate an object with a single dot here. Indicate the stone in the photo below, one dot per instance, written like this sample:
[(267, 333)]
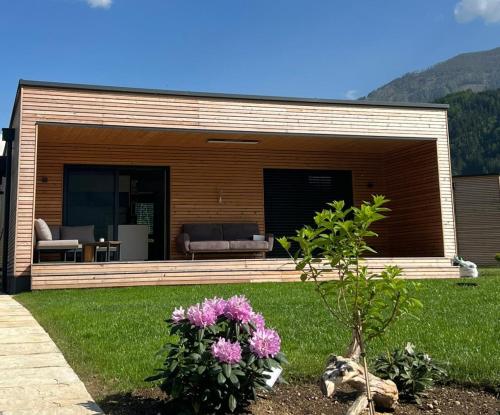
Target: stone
[(344, 370), (35, 377)]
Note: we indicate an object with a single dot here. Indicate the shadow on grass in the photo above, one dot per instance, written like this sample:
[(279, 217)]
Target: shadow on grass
[(467, 284)]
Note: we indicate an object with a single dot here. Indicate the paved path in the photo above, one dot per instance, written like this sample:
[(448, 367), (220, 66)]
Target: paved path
[(34, 376)]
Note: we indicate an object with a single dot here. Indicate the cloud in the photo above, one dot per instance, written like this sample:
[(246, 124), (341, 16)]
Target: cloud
[(352, 94), (103, 4), (488, 10)]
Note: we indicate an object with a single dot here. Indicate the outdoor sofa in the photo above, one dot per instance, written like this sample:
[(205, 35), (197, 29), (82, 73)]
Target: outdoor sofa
[(199, 238)]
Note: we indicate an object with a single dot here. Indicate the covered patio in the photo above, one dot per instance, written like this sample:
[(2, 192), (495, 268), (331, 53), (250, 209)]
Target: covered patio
[(220, 177)]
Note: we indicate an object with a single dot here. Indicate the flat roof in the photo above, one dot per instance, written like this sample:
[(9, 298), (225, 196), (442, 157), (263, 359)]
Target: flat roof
[(44, 84)]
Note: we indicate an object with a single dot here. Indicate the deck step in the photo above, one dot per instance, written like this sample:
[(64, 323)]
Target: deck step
[(125, 274)]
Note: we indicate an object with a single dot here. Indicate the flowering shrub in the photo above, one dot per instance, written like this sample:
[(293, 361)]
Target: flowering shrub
[(222, 355)]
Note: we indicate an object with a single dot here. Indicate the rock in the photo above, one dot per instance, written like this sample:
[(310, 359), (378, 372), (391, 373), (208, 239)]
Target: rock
[(342, 370), (457, 402), (438, 410), (430, 406)]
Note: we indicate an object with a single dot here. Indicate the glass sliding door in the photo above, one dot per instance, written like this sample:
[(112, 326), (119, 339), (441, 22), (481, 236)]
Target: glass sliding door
[(127, 204), (90, 199), (141, 211)]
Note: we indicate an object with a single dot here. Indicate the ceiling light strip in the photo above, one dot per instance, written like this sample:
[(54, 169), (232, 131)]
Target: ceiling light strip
[(224, 141)]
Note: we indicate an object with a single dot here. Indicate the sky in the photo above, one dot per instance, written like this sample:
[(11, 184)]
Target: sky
[(305, 48)]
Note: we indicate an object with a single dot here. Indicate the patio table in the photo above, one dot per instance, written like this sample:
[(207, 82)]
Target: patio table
[(90, 250)]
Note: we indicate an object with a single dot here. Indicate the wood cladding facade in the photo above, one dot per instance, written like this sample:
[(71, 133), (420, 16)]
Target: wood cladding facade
[(412, 183), (198, 173), (477, 210), (199, 176)]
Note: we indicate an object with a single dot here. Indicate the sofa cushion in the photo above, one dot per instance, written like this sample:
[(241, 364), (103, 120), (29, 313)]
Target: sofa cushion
[(42, 230), (249, 245), (59, 244), (203, 231), (238, 231), (209, 246), (84, 234), (55, 230)]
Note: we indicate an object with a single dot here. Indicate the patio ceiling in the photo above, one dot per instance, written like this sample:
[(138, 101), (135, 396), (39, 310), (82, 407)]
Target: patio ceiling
[(75, 134)]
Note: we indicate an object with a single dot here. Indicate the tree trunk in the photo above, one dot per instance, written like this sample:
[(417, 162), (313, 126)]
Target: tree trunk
[(354, 349), (347, 370)]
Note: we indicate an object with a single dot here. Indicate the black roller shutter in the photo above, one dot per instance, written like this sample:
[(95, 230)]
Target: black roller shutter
[(292, 197)]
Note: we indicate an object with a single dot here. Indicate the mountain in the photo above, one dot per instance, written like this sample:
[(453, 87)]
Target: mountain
[(474, 128), (477, 71)]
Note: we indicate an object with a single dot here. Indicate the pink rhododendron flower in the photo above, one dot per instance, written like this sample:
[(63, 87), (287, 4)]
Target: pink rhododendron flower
[(218, 305), (178, 315), (201, 316), (225, 351), (258, 320), (265, 343), (238, 308)]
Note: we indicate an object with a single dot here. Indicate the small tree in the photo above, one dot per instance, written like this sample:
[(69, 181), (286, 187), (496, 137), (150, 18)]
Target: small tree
[(364, 302)]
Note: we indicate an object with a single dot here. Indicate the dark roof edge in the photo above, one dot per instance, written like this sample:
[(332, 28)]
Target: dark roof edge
[(23, 82), (457, 176), (16, 102)]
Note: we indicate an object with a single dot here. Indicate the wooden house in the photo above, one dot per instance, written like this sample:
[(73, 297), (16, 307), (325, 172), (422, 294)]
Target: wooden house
[(112, 156)]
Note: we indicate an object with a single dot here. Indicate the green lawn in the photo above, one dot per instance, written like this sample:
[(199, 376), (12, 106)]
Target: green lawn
[(110, 336)]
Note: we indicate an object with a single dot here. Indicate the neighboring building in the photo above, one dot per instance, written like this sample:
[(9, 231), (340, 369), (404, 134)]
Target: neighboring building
[(154, 160), (477, 212)]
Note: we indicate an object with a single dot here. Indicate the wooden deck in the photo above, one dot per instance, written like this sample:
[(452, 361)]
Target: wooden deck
[(124, 274)]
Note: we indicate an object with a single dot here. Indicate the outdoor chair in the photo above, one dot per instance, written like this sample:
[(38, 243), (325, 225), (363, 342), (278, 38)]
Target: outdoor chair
[(48, 241)]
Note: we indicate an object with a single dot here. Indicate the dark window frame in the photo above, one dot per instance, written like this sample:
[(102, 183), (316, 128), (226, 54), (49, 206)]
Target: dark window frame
[(165, 170)]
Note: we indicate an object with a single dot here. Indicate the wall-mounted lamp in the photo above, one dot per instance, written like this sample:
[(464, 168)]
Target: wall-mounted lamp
[(223, 141), (219, 197), (44, 179)]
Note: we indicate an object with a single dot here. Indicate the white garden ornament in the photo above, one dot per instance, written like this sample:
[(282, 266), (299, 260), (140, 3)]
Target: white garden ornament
[(468, 269)]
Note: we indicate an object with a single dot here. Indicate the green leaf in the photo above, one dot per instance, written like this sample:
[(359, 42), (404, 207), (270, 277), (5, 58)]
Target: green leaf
[(284, 243), (280, 357), (221, 379), (232, 403), (226, 369)]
